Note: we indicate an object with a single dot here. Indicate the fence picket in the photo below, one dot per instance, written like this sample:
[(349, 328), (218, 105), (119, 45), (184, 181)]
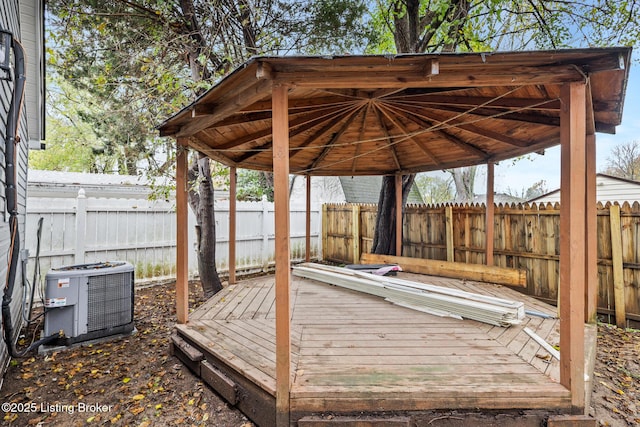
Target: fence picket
[(526, 236), (144, 232)]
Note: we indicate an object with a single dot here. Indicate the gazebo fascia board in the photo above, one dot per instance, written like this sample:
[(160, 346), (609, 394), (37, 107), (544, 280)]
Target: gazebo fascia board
[(579, 75)]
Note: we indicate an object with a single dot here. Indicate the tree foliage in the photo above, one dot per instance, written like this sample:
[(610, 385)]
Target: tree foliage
[(253, 185), (142, 60), (76, 146), (434, 189)]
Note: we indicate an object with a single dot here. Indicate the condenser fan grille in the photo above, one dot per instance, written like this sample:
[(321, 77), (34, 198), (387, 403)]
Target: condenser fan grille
[(110, 300)]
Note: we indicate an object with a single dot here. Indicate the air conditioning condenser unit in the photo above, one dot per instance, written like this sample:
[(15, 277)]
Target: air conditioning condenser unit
[(89, 301)]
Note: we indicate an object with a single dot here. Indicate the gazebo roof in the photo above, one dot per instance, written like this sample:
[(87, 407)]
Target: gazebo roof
[(391, 114)]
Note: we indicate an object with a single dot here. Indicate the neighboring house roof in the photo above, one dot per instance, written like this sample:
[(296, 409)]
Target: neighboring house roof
[(43, 183), (608, 189), (366, 189)]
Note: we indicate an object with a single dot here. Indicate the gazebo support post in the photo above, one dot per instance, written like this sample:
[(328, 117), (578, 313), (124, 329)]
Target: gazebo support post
[(398, 190), (591, 297), (307, 246), (573, 226), (232, 225), (280, 131), (182, 230), (489, 213)]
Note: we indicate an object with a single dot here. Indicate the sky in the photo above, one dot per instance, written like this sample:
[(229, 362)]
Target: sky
[(514, 177)]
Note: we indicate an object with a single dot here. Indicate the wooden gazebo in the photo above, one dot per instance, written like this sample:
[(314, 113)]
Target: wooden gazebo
[(401, 114)]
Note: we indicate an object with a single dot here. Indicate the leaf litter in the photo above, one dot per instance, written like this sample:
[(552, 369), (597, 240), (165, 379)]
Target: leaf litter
[(142, 385), (130, 381)]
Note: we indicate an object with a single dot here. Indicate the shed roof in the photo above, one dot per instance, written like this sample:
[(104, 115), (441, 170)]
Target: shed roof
[(391, 114)]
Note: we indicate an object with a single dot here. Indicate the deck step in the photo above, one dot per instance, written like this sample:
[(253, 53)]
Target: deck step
[(188, 354), (219, 382)]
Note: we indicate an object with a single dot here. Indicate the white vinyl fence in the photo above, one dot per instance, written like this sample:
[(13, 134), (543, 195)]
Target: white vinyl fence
[(79, 230)]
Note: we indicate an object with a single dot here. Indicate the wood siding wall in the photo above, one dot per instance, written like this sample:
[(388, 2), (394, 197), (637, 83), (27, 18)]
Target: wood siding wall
[(9, 20), (526, 236)]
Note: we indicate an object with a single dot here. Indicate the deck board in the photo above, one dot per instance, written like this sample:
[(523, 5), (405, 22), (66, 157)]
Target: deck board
[(357, 351)]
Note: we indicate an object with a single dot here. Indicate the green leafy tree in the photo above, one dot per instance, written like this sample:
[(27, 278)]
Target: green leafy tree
[(252, 185), (434, 189), (71, 143), (142, 60), (408, 26)]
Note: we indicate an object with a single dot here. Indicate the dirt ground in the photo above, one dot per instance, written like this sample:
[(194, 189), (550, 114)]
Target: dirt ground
[(133, 381), (615, 400)]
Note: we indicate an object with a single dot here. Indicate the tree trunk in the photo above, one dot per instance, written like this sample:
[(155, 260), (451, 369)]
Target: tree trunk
[(201, 187), (464, 180), (409, 24), (201, 201), (384, 239)]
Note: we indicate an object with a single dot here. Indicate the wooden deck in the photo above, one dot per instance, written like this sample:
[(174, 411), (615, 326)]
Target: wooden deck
[(358, 353)]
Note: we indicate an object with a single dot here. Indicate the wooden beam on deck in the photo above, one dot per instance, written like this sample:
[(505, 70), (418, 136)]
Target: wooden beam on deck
[(232, 224), (489, 212), (398, 185), (455, 270), (182, 230), (282, 251), (307, 235), (572, 240)]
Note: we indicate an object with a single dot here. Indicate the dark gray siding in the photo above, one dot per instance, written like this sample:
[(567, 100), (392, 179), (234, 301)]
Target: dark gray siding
[(9, 19)]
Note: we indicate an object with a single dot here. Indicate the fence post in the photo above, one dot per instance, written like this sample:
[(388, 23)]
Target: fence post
[(616, 256), (265, 234), (355, 233), (325, 236), (448, 213), (81, 226)]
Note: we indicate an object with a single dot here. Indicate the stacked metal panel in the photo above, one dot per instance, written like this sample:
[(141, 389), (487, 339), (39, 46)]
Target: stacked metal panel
[(431, 299)]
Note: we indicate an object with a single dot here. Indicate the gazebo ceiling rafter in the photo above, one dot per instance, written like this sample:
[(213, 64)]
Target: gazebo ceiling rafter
[(385, 129), (403, 129), (389, 114), (517, 116), (299, 123), (335, 138)]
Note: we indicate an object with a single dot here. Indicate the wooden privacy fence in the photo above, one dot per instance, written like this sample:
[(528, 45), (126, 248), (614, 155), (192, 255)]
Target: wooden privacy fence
[(526, 237)]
